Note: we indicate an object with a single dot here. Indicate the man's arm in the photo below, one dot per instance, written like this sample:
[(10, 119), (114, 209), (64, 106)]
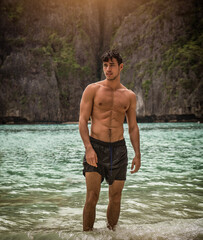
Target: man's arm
[(134, 133), (86, 105)]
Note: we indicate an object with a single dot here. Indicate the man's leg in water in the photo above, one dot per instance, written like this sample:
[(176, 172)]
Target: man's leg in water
[(93, 184), (113, 211)]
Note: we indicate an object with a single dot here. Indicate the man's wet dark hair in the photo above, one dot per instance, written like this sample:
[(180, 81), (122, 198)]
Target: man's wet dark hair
[(112, 54)]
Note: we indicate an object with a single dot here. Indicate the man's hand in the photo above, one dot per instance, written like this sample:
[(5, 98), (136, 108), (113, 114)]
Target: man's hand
[(136, 163), (91, 156)]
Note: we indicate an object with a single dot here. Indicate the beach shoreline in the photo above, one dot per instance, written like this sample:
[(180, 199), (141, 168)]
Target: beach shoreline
[(140, 119)]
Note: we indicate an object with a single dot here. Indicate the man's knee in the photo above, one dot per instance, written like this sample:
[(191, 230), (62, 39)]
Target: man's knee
[(115, 197), (92, 199)]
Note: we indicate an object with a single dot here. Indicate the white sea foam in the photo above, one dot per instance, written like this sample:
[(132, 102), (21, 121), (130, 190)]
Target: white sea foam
[(170, 230)]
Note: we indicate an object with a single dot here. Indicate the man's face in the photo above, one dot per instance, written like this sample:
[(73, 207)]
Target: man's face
[(112, 69)]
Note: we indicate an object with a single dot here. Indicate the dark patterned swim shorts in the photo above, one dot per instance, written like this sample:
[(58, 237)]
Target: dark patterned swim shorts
[(112, 160)]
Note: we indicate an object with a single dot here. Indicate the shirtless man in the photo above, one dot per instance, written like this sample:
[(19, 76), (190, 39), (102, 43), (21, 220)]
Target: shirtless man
[(107, 102)]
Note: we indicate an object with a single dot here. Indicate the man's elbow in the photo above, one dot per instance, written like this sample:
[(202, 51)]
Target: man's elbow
[(134, 129), (82, 121)]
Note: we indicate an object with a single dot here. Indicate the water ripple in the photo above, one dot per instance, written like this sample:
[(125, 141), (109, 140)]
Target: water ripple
[(42, 189)]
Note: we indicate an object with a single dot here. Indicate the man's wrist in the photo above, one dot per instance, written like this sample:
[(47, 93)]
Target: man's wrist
[(88, 146)]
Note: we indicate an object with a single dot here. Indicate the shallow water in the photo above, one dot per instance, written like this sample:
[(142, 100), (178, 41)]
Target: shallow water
[(42, 189)]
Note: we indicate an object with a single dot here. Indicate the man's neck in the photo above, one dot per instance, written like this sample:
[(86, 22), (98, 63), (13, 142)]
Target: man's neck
[(114, 84)]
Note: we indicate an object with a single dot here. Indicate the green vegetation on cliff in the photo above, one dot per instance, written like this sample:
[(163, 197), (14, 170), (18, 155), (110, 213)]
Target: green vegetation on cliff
[(12, 10), (188, 57)]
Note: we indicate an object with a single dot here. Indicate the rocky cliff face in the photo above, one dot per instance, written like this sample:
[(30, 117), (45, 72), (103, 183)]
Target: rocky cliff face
[(50, 51), (162, 44)]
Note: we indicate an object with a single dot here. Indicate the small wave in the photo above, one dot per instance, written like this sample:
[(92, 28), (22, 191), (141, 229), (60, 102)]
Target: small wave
[(190, 229)]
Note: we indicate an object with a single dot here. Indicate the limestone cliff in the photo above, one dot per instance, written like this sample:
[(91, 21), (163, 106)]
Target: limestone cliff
[(50, 50), (48, 56), (162, 42)]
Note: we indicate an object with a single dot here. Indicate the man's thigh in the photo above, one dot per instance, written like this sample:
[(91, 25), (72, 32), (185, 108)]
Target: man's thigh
[(93, 182)]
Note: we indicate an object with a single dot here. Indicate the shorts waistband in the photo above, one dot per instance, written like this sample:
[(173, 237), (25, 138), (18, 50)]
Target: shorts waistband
[(117, 143)]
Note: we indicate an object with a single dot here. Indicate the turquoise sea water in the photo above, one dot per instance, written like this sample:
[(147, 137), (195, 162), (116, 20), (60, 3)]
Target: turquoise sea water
[(42, 189)]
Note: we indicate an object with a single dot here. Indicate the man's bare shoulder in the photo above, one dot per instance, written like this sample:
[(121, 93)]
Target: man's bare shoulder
[(128, 91), (94, 85), (91, 88), (131, 95)]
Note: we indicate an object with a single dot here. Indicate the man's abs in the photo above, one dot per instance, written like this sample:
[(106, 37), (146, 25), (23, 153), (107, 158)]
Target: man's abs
[(106, 133)]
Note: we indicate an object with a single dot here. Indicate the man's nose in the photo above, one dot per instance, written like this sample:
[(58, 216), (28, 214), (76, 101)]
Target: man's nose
[(108, 68)]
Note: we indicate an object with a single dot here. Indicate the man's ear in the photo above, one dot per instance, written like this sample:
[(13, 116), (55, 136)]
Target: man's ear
[(121, 66)]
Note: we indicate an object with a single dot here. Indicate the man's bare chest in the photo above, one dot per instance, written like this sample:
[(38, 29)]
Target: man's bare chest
[(107, 99)]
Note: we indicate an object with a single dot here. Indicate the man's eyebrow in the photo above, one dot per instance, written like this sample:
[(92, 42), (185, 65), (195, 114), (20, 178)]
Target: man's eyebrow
[(111, 63)]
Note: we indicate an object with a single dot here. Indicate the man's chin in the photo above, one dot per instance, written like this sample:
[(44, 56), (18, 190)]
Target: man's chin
[(110, 78)]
